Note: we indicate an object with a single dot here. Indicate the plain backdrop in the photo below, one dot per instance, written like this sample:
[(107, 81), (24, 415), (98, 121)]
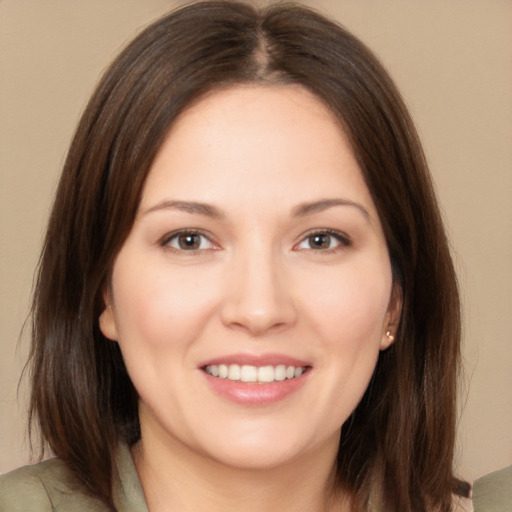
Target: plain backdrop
[(452, 60)]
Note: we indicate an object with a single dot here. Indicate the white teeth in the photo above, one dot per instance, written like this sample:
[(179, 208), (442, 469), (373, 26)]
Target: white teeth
[(266, 374), (233, 372), (223, 371), (260, 374), (248, 373), (280, 372)]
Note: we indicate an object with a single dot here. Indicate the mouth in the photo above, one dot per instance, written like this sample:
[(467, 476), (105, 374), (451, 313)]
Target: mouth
[(256, 380), (255, 374)]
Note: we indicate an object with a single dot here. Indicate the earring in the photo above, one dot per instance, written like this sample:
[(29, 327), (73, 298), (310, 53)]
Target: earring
[(389, 336)]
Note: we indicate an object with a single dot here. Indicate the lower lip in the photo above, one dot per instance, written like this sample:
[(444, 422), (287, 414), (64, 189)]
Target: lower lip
[(253, 394)]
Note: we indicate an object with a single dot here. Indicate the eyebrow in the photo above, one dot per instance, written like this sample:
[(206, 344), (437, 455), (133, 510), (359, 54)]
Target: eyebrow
[(305, 209), (301, 210), (187, 206)]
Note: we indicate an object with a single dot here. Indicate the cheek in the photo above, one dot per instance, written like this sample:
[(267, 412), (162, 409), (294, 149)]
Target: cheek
[(157, 308), (345, 319), (349, 316), (351, 306)]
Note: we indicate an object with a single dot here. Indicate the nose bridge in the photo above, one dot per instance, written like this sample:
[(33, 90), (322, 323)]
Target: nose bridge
[(258, 297)]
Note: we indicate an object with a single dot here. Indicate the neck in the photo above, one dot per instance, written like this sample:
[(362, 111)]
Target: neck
[(176, 478)]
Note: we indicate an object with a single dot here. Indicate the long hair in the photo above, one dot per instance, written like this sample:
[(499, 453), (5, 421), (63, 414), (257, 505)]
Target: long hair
[(396, 449)]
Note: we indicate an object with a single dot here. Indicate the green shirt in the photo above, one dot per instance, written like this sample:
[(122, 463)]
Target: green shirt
[(493, 492), (51, 487)]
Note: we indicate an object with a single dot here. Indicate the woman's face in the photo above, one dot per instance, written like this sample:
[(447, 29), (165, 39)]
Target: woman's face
[(256, 254)]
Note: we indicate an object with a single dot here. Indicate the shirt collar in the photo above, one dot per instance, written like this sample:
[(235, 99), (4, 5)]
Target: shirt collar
[(127, 489)]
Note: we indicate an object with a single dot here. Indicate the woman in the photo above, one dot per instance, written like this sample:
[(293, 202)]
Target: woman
[(245, 297)]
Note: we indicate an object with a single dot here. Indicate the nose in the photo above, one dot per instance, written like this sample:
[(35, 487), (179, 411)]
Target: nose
[(259, 296)]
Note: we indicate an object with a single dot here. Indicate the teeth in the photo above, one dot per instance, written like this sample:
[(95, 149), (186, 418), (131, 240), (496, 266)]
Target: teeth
[(233, 372), (280, 372), (259, 374), (248, 373), (266, 374), (223, 371)]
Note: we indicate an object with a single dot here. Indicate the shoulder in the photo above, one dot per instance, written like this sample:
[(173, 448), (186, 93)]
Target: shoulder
[(24, 489), (45, 487), (493, 492)]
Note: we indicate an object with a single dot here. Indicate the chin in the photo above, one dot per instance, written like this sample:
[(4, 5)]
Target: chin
[(255, 458), (264, 450)]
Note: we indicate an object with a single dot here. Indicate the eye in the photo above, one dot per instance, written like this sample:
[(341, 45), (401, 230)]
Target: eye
[(324, 240), (188, 241)]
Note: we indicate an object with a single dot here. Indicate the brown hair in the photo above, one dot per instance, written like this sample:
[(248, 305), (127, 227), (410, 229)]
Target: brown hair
[(397, 447)]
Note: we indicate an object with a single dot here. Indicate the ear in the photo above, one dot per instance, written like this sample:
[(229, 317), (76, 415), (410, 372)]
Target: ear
[(107, 321), (392, 319)]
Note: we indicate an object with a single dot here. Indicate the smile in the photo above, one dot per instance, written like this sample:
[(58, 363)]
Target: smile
[(254, 374)]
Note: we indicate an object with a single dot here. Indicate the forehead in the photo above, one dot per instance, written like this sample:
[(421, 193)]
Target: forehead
[(247, 106), (262, 142)]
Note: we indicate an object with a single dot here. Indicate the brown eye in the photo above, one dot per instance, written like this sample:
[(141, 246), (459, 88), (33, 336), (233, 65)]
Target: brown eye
[(319, 241), (188, 241), (324, 241)]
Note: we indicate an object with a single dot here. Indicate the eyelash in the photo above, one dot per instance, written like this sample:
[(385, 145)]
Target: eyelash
[(342, 239), (166, 240)]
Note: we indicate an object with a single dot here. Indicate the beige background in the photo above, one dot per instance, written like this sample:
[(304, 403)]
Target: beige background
[(452, 60)]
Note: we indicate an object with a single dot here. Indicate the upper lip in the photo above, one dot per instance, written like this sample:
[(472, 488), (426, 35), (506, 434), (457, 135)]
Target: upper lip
[(256, 360)]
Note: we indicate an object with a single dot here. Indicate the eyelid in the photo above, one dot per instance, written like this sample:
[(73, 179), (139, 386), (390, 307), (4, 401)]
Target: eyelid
[(168, 237), (343, 239)]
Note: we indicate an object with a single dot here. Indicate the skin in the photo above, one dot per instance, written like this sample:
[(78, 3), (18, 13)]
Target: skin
[(266, 158)]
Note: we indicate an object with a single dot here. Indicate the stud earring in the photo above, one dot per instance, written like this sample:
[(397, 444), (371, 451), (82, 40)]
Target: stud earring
[(389, 336)]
